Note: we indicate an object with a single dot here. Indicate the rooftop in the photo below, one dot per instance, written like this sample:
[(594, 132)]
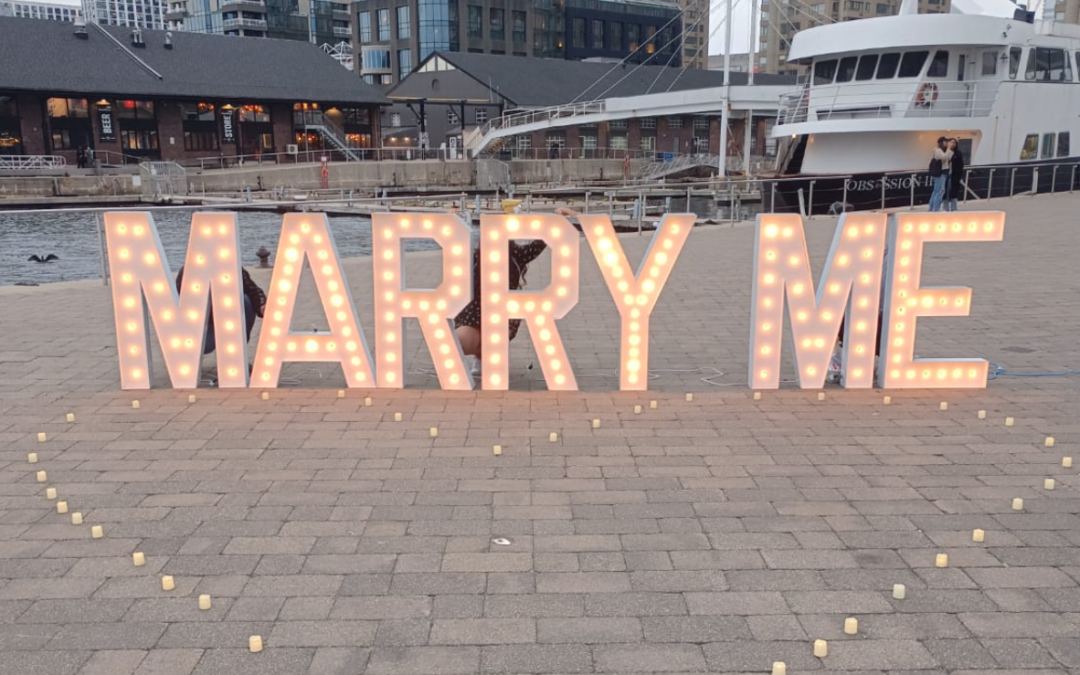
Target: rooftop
[(47, 56)]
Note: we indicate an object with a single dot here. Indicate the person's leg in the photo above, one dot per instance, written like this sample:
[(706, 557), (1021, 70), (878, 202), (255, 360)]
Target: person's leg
[(938, 194), (469, 338), (249, 317)]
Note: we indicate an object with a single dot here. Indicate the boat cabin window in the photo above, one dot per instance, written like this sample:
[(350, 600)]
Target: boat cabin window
[(846, 70), (824, 71), (912, 63), (989, 63), (1031, 147), (1048, 145), (1014, 62), (1063, 144), (867, 65), (939, 67), (887, 65), (1048, 65)]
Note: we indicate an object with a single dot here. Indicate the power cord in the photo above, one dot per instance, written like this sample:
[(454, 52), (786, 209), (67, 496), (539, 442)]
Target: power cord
[(997, 370)]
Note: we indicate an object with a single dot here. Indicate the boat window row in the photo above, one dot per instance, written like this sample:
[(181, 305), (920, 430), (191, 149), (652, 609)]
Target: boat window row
[(881, 66), (1053, 145)]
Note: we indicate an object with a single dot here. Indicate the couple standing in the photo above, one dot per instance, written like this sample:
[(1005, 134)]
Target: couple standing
[(946, 168)]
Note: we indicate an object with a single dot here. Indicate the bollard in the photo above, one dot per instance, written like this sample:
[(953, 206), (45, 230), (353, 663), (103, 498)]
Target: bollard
[(264, 257)]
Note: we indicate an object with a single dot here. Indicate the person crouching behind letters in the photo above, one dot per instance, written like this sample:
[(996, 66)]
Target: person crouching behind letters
[(468, 321), (254, 306)]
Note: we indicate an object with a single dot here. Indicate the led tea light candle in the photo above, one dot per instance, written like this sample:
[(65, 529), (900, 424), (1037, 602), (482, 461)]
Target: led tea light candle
[(191, 398), (42, 476), (32, 458), (851, 626), (821, 648), (637, 410), (42, 437), (138, 558), (978, 536), (596, 423), (689, 398), (204, 602), (341, 393), (70, 417), (135, 405), (1066, 462), (1009, 421), (779, 668), (76, 518), (434, 431), (653, 405), (367, 401), (944, 405), (887, 400), (553, 437), (1018, 504), (821, 396), (61, 507), (96, 532), (255, 644), (1049, 442), (757, 395), (1048, 483), (397, 417), (942, 560), (982, 414), (266, 396), (496, 450), (899, 591), (168, 583), (50, 493)]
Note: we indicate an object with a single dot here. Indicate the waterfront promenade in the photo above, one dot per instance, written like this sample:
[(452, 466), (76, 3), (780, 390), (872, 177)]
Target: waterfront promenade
[(716, 535)]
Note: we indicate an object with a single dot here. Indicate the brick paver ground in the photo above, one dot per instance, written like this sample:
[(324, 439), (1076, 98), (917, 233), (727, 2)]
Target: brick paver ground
[(717, 535)]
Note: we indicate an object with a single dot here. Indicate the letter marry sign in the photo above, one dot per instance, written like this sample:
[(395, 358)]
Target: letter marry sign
[(870, 288)]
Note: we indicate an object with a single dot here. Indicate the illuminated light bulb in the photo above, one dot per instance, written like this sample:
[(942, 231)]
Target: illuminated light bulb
[(1009, 421), (97, 532), (76, 518), (899, 591), (135, 404), (944, 405), (255, 644), (1017, 504), (851, 626), (1049, 442), (821, 649), (978, 536), (1048, 484), (779, 668), (168, 583), (1066, 462)]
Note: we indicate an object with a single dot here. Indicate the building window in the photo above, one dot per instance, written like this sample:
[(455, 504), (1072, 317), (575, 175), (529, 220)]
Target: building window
[(200, 140), (648, 143), (1048, 145), (912, 63), (384, 25), (887, 65), (614, 36), (403, 28), (476, 21), (577, 39), (989, 63), (395, 119), (701, 125), (867, 66), (363, 20), (139, 139), (648, 122), (939, 67), (555, 140), (1063, 144), (68, 107), (404, 60), (588, 142), (519, 19), (254, 113), (481, 115), (617, 124), (524, 142), (1014, 62), (197, 112), (633, 35), (846, 71), (597, 34), (618, 142), (824, 71), (452, 117), (1031, 147), (674, 123), (135, 110), (375, 59), (498, 23)]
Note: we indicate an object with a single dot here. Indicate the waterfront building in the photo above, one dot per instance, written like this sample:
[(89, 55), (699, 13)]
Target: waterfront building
[(781, 19), (456, 92), (317, 21), (147, 94), (1065, 11), (31, 9), (391, 37), (695, 39), (129, 13)]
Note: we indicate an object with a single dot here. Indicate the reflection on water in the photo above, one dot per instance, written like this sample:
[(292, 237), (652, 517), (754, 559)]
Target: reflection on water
[(74, 238)]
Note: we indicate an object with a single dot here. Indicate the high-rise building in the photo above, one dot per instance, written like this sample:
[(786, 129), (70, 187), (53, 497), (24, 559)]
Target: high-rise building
[(131, 13), (392, 36), (781, 19), (317, 21), (30, 9), (1066, 11), (695, 39)]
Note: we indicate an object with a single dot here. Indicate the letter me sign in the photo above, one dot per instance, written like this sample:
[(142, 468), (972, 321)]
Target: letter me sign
[(870, 291)]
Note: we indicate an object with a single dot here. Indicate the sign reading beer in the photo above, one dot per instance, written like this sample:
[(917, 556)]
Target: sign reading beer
[(106, 122), (868, 298)]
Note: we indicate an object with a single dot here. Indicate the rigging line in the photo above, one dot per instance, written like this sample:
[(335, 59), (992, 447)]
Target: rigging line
[(676, 52), (702, 46), (635, 51)]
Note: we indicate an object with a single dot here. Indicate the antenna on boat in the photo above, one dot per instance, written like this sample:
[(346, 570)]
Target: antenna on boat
[(909, 7)]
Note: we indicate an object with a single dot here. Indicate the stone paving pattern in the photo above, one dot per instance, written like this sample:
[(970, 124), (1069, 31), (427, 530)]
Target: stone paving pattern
[(717, 535)]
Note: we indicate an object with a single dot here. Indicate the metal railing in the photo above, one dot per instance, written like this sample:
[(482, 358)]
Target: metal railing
[(878, 101), (31, 162), (516, 119), (245, 23)]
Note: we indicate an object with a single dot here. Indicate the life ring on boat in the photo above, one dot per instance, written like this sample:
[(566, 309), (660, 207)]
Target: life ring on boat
[(927, 95)]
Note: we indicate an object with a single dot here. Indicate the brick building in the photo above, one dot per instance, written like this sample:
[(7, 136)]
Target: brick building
[(175, 96)]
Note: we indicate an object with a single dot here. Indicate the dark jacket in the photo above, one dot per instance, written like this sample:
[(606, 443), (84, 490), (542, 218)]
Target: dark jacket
[(251, 290), (956, 175)]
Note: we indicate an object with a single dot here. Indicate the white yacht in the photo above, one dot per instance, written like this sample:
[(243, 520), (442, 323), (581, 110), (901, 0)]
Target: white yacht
[(880, 92)]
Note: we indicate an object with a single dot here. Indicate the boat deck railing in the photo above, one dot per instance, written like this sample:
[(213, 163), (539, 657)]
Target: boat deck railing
[(850, 101)]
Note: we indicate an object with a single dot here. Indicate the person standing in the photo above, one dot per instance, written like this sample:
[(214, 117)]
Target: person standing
[(939, 171), (254, 307), (956, 173), (80, 157)]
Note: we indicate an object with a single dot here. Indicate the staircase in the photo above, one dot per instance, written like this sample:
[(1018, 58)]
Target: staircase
[(491, 136), (315, 120), (680, 164)]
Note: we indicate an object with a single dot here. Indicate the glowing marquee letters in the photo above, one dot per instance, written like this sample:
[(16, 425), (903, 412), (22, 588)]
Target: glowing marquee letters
[(852, 272), (308, 235), (636, 294), (539, 310), (142, 280), (434, 308), (905, 300)]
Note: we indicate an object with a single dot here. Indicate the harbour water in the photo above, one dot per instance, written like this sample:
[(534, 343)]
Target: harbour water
[(73, 237)]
